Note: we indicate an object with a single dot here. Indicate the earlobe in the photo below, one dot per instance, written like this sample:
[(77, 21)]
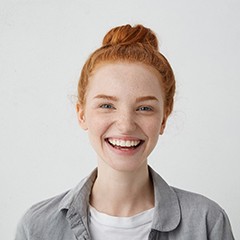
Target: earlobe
[(162, 128), (163, 125), (81, 116)]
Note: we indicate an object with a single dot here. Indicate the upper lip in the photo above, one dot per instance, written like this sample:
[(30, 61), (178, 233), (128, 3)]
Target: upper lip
[(125, 138)]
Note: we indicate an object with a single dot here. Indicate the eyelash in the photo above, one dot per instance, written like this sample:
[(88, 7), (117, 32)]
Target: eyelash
[(106, 106), (145, 108)]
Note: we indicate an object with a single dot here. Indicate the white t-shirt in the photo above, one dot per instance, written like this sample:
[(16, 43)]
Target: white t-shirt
[(106, 227)]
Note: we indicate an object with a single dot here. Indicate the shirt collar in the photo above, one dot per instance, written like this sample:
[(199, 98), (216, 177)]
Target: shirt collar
[(78, 198), (167, 212)]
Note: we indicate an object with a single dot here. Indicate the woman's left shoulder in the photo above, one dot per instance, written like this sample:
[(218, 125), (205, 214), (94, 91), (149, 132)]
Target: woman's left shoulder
[(196, 202), (198, 208), (199, 211)]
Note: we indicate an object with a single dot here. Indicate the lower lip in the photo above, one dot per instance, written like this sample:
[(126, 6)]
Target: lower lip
[(124, 151)]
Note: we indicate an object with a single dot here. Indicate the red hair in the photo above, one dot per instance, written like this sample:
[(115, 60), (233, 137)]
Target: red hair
[(131, 44)]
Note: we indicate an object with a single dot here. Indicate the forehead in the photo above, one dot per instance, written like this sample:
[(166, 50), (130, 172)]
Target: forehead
[(125, 66), (133, 77)]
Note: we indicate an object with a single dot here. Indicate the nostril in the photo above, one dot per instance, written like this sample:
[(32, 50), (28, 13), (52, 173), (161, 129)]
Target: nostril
[(126, 124)]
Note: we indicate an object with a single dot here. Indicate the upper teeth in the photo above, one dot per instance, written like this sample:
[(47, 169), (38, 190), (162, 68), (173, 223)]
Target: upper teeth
[(123, 143)]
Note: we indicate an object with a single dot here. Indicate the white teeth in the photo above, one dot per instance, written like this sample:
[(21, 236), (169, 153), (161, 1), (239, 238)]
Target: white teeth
[(122, 143)]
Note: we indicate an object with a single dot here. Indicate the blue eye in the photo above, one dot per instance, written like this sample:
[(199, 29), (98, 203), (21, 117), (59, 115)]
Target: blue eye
[(106, 106), (144, 108)]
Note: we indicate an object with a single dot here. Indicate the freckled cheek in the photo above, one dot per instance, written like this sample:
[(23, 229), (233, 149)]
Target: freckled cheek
[(153, 129), (98, 127), (96, 131)]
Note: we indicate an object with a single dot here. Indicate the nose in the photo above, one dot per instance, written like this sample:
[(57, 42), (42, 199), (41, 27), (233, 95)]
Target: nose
[(126, 122)]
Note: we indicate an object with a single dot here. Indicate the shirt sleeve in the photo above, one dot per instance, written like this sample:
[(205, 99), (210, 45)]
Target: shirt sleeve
[(221, 230), (21, 233)]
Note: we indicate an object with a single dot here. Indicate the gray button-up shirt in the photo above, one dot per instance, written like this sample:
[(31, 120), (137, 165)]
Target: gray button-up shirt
[(178, 215)]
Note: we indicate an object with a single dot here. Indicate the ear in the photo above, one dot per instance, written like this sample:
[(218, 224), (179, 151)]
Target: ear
[(81, 116), (164, 122)]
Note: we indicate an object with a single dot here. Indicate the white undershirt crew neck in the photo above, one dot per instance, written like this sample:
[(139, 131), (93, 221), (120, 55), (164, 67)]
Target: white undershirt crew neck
[(106, 227)]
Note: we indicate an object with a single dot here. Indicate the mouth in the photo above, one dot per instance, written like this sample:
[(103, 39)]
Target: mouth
[(124, 144)]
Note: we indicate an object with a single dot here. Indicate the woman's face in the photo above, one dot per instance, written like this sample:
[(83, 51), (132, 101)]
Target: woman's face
[(123, 114)]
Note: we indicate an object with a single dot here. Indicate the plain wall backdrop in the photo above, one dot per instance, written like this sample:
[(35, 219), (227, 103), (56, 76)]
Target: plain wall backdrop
[(43, 45)]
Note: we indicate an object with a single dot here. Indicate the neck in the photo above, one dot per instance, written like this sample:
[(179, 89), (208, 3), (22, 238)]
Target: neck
[(119, 193)]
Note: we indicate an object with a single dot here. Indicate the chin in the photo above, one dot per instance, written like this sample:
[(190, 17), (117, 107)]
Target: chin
[(127, 166)]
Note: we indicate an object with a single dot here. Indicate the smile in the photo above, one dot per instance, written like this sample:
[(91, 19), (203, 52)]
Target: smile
[(120, 143)]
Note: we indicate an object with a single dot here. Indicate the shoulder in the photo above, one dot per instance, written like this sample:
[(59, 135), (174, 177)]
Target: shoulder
[(188, 214), (50, 215), (39, 217), (51, 207), (204, 214), (198, 209), (42, 212), (196, 201), (47, 206), (188, 203), (187, 199)]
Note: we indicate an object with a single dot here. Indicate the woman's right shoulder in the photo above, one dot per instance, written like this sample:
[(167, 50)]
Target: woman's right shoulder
[(49, 207), (46, 216), (44, 208), (39, 216)]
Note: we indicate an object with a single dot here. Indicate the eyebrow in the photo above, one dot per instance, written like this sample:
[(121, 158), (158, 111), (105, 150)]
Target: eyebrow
[(113, 98), (107, 97), (147, 98)]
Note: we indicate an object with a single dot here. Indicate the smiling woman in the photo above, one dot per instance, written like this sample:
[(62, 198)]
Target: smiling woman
[(120, 107), (126, 92)]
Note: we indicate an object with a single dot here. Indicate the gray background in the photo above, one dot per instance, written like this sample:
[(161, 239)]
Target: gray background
[(43, 45)]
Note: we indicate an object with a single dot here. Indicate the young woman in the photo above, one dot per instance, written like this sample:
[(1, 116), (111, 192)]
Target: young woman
[(125, 95)]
